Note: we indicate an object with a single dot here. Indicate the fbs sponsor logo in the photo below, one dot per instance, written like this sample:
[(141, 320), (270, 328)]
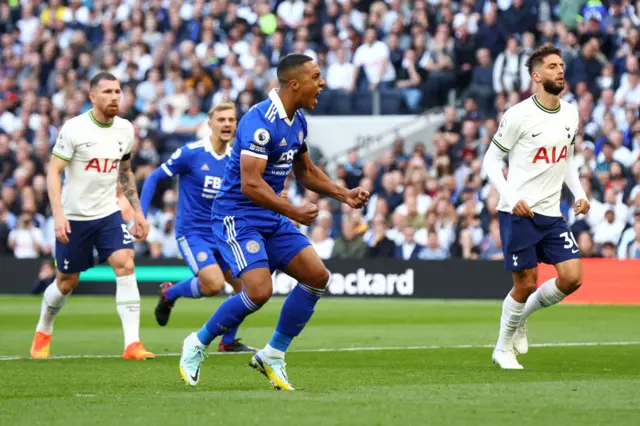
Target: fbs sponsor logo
[(358, 283)]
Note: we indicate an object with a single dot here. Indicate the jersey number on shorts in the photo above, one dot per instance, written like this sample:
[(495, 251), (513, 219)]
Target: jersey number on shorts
[(128, 238), (570, 241)]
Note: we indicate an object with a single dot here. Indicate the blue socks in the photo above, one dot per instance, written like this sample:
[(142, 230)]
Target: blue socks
[(296, 312), (228, 317), (188, 288)]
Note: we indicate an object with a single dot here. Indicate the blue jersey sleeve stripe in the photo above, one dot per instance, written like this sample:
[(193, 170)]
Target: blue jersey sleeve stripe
[(166, 170), (253, 154)]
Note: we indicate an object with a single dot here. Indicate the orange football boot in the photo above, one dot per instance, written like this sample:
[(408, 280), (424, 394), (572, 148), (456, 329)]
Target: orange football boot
[(40, 345), (136, 351)]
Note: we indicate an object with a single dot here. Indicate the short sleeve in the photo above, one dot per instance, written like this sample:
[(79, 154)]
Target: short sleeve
[(130, 140), (507, 134), (255, 137), (64, 147), (178, 164)]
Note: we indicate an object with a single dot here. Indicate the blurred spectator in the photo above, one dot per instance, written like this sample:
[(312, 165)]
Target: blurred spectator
[(408, 250), (321, 242), (349, 245), (379, 245), (27, 241), (433, 251)]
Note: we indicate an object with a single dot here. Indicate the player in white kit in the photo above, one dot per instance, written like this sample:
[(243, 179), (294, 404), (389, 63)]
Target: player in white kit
[(94, 152), (538, 135)]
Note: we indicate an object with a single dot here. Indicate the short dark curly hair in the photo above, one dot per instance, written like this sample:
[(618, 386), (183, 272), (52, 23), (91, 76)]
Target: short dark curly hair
[(538, 55)]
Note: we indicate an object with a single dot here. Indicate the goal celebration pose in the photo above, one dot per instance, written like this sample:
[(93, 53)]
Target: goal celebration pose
[(251, 222)]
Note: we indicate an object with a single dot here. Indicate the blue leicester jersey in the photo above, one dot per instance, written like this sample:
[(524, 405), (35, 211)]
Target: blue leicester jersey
[(264, 132), (201, 171)]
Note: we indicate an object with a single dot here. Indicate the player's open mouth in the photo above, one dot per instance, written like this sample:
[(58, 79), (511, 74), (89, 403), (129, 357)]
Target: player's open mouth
[(226, 133)]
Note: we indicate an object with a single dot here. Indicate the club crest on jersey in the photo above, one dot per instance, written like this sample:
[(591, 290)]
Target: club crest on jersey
[(253, 246), (261, 137), (202, 256)]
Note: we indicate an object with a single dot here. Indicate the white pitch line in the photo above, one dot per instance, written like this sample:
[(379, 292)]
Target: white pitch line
[(355, 349)]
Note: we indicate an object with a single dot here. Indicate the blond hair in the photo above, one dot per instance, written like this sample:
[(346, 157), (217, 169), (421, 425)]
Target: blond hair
[(223, 106)]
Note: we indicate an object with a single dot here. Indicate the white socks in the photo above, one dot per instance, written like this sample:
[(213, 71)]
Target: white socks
[(128, 302), (52, 302), (548, 294), (509, 322)]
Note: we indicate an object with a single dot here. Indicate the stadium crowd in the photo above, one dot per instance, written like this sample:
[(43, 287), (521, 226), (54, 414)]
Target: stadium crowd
[(177, 58)]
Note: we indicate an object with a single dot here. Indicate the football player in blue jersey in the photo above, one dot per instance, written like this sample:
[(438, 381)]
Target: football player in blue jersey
[(200, 166), (252, 225)]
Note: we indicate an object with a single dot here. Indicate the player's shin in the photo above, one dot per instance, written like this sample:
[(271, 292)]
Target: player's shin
[(52, 301), (546, 295), (512, 312), (189, 288), (296, 312), (128, 305), (229, 315)]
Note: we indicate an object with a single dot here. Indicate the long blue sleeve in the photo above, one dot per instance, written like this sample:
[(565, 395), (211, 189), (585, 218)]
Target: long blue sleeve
[(149, 188)]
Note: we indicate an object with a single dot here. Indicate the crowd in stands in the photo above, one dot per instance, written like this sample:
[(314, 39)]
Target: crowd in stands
[(177, 58)]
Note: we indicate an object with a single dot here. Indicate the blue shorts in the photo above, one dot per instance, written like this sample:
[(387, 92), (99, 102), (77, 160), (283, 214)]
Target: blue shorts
[(106, 235), (527, 241), (199, 251), (248, 242)]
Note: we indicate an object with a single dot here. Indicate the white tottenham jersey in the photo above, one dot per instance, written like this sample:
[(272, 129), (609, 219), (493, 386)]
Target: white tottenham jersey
[(538, 141), (94, 152)]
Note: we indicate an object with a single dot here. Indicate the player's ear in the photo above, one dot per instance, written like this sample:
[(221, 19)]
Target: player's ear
[(294, 85)]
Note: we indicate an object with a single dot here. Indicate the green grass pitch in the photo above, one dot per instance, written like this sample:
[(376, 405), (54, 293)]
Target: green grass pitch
[(437, 369)]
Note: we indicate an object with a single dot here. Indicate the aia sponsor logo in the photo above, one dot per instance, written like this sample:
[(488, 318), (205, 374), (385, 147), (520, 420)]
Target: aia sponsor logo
[(550, 156), (102, 165)]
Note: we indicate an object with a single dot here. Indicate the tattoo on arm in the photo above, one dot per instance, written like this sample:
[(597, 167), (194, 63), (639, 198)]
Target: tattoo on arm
[(127, 182)]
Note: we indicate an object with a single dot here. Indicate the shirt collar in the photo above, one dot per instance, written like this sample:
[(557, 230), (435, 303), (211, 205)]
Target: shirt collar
[(282, 113)]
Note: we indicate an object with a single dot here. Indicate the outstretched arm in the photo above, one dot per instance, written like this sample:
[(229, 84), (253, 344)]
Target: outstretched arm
[(311, 177), (149, 188)]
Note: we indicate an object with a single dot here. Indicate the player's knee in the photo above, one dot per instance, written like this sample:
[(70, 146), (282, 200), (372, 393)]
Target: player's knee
[(211, 284), (525, 281), (571, 281), (127, 267), (319, 280), (259, 295), (66, 283)]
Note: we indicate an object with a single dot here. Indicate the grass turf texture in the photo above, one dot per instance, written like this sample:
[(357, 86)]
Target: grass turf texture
[(586, 385)]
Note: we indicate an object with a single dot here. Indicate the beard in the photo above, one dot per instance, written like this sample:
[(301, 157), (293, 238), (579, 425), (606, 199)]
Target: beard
[(550, 86)]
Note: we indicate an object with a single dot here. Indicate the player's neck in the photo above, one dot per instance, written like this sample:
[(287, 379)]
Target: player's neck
[(288, 102), (548, 100), (218, 146), (100, 117)]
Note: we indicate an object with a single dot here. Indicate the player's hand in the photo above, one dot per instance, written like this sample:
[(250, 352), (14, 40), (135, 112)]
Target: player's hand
[(62, 228), (357, 198), (306, 214), (522, 209), (284, 195), (140, 227), (581, 207)]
